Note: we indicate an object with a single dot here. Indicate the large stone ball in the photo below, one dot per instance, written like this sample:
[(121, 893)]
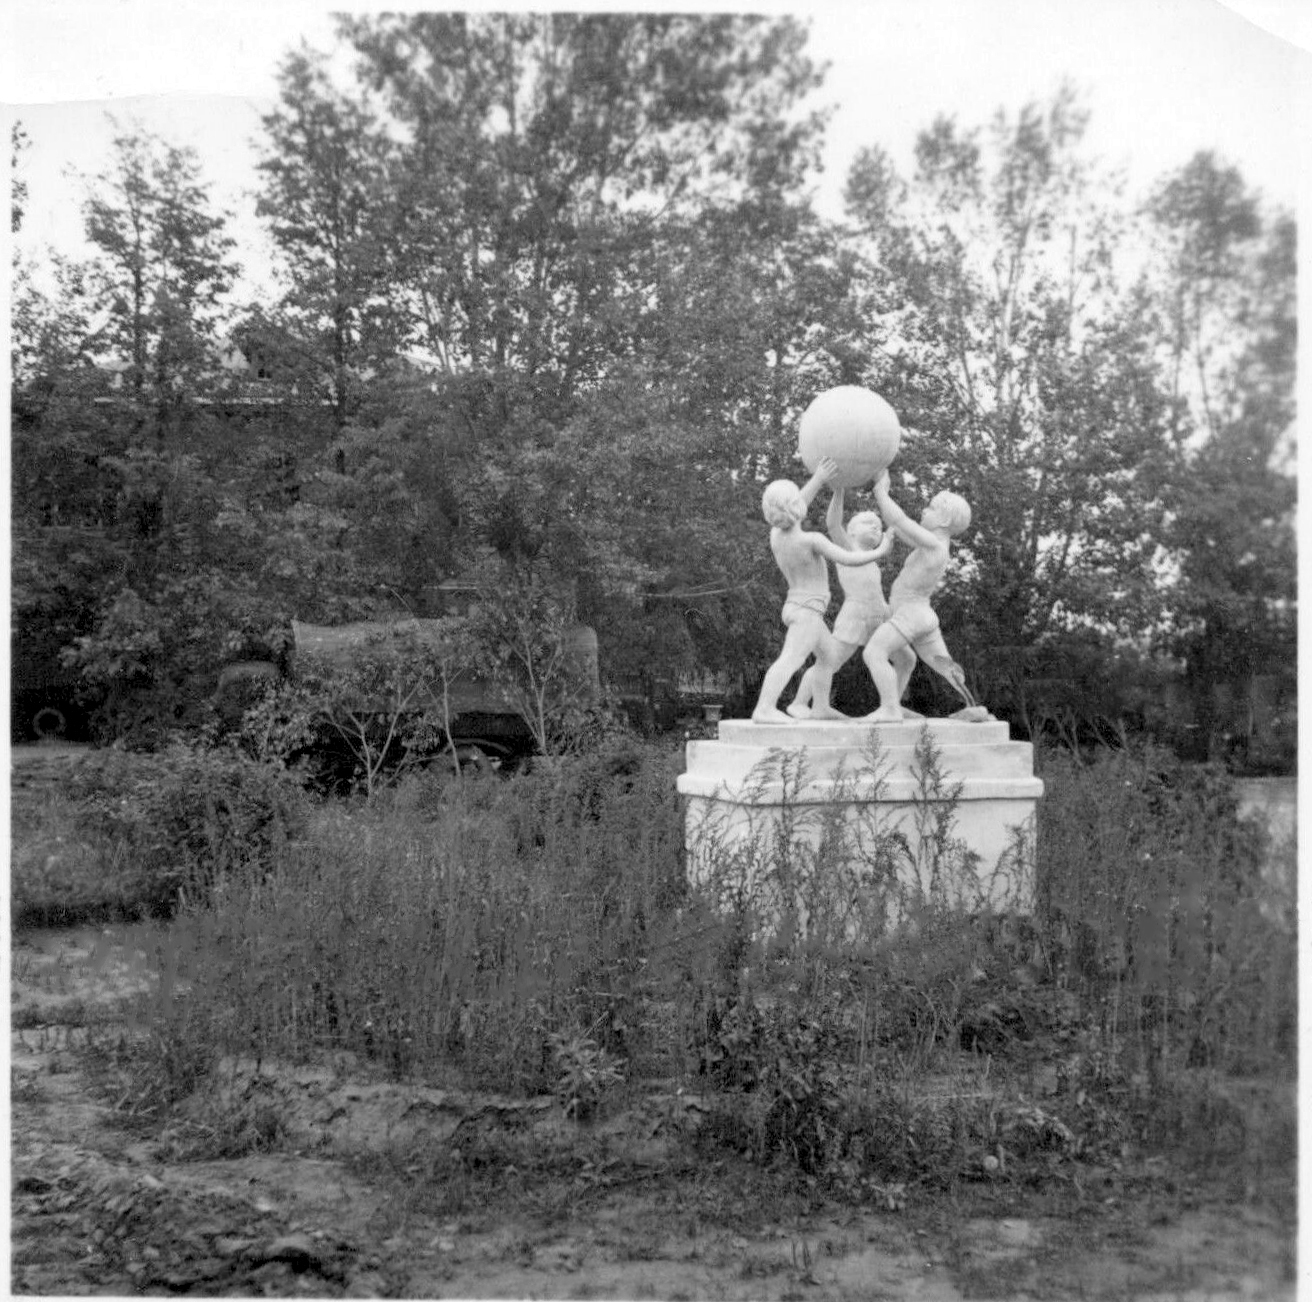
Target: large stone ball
[(854, 426)]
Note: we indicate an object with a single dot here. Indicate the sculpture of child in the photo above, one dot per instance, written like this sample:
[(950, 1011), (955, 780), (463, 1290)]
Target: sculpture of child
[(801, 556), (864, 609), (912, 624)]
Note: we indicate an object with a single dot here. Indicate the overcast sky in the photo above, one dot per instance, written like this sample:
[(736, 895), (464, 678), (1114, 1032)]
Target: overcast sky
[(1163, 78)]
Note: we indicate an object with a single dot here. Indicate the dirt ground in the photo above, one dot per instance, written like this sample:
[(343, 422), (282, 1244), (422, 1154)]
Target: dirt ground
[(361, 1187)]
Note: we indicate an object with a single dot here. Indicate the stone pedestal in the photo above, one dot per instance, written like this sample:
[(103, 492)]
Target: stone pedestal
[(886, 813)]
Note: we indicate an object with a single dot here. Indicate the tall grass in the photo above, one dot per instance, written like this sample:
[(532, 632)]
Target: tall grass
[(846, 871), (540, 934), (62, 870), (458, 928), (121, 835), (1161, 914)]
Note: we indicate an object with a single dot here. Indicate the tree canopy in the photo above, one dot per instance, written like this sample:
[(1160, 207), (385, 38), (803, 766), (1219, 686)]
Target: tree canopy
[(551, 293)]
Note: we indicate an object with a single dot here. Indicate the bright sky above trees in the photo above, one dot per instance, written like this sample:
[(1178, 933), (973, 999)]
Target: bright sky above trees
[(1162, 80)]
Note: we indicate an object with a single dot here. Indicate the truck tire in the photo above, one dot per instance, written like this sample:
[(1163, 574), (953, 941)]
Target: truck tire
[(49, 723), (474, 759)]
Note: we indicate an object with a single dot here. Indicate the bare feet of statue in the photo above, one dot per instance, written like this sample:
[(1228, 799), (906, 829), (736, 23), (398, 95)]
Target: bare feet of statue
[(886, 714), (771, 716), (800, 711), (827, 712)]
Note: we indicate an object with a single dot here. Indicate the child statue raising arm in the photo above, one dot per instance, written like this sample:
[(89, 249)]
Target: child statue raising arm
[(912, 623), (863, 609), (801, 556)]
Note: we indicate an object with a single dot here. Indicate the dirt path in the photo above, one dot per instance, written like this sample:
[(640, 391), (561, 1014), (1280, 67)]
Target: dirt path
[(369, 1188)]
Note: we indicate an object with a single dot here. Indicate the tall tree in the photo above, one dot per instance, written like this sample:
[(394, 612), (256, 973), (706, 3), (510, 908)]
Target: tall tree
[(1025, 374), (596, 231), (757, 311), (1227, 283), (542, 151), (115, 556), (160, 270), (325, 168)]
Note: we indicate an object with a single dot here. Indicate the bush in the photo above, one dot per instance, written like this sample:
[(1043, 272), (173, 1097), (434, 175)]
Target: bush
[(186, 818), (61, 872)]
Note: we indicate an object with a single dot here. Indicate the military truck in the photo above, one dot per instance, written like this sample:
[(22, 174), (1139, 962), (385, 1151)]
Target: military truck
[(483, 719)]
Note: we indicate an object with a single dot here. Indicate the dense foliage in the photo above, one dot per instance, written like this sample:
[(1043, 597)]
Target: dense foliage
[(550, 296)]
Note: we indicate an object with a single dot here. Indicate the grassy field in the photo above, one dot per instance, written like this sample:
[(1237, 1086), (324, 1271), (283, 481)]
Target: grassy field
[(524, 961)]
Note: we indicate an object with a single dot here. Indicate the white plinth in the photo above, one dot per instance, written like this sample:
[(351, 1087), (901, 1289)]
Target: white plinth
[(855, 802)]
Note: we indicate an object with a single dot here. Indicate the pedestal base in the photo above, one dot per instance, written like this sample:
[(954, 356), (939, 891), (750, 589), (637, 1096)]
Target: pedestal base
[(878, 815)]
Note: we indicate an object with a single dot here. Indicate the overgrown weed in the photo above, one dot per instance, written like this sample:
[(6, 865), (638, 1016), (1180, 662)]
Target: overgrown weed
[(130, 836), (63, 871), (872, 1032)]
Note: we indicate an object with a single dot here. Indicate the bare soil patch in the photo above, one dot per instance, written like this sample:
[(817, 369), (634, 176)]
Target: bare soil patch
[(340, 1183)]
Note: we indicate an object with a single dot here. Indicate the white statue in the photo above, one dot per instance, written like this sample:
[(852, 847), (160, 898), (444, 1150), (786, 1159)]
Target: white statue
[(862, 612), (801, 556), (912, 625)]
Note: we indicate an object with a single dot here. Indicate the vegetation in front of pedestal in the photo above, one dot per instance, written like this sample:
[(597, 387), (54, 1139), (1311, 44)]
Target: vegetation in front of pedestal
[(537, 936), (978, 1042), (840, 870)]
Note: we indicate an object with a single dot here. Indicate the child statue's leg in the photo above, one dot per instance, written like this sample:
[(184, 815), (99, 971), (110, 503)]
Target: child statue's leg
[(805, 698), (904, 662), (878, 658), (947, 668), (829, 660), (804, 636), (813, 692)]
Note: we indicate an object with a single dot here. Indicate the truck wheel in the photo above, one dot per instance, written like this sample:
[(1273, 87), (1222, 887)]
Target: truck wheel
[(49, 722), (474, 759)]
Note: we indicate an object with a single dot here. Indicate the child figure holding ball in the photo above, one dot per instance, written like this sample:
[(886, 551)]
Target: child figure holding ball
[(801, 556), (912, 624), (863, 610)]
